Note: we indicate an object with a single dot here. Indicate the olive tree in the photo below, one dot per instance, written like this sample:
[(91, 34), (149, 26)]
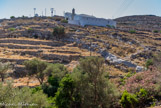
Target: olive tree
[(37, 67), (4, 68), (57, 72), (66, 96), (92, 83)]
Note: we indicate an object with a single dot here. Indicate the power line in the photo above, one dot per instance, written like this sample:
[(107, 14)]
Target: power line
[(123, 7), (120, 7), (126, 7)]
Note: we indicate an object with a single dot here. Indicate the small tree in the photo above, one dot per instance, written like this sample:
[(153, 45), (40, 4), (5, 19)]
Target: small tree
[(65, 96), (4, 67), (92, 84), (58, 71), (37, 67), (12, 17), (59, 32)]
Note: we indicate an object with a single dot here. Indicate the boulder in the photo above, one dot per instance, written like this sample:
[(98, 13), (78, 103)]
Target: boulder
[(139, 69)]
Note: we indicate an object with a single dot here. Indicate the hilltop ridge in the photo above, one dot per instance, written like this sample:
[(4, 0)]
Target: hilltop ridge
[(139, 22)]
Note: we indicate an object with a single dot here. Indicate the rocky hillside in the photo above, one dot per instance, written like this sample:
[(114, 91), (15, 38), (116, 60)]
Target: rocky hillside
[(27, 38), (140, 22)]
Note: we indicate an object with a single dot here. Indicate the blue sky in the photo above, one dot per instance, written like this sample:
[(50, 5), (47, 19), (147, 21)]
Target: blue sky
[(98, 8)]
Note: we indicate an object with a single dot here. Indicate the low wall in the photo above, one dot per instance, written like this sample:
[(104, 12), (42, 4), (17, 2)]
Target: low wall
[(75, 22)]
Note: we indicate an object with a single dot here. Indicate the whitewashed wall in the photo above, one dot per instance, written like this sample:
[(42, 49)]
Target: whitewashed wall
[(84, 20), (75, 22), (96, 22)]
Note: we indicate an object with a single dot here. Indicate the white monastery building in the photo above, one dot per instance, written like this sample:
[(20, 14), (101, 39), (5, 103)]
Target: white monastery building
[(83, 20)]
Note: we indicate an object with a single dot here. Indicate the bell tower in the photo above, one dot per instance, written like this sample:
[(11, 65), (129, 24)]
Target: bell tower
[(73, 13)]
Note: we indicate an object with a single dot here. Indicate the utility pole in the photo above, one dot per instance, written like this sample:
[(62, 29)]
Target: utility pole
[(34, 11), (52, 9), (55, 12), (45, 11)]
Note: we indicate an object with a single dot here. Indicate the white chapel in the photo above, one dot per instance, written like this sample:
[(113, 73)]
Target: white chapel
[(83, 20)]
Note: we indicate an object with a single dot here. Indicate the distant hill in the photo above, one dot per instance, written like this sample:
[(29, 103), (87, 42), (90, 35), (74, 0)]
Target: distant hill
[(141, 22)]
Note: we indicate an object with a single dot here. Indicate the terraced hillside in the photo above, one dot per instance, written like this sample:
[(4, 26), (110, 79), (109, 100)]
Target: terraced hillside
[(140, 22), (17, 50), (27, 38)]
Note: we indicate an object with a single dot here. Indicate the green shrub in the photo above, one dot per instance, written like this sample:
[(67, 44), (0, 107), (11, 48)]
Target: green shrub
[(12, 17), (139, 99), (145, 97), (132, 31), (110, 26), (156, 31), (36, 89), (30, 30), (153, 102), (142, 96), (128, 100), (123, 80), (59, 32), (64, 21), (142, 93), (11, 29), (149, 63), (12, 95)]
